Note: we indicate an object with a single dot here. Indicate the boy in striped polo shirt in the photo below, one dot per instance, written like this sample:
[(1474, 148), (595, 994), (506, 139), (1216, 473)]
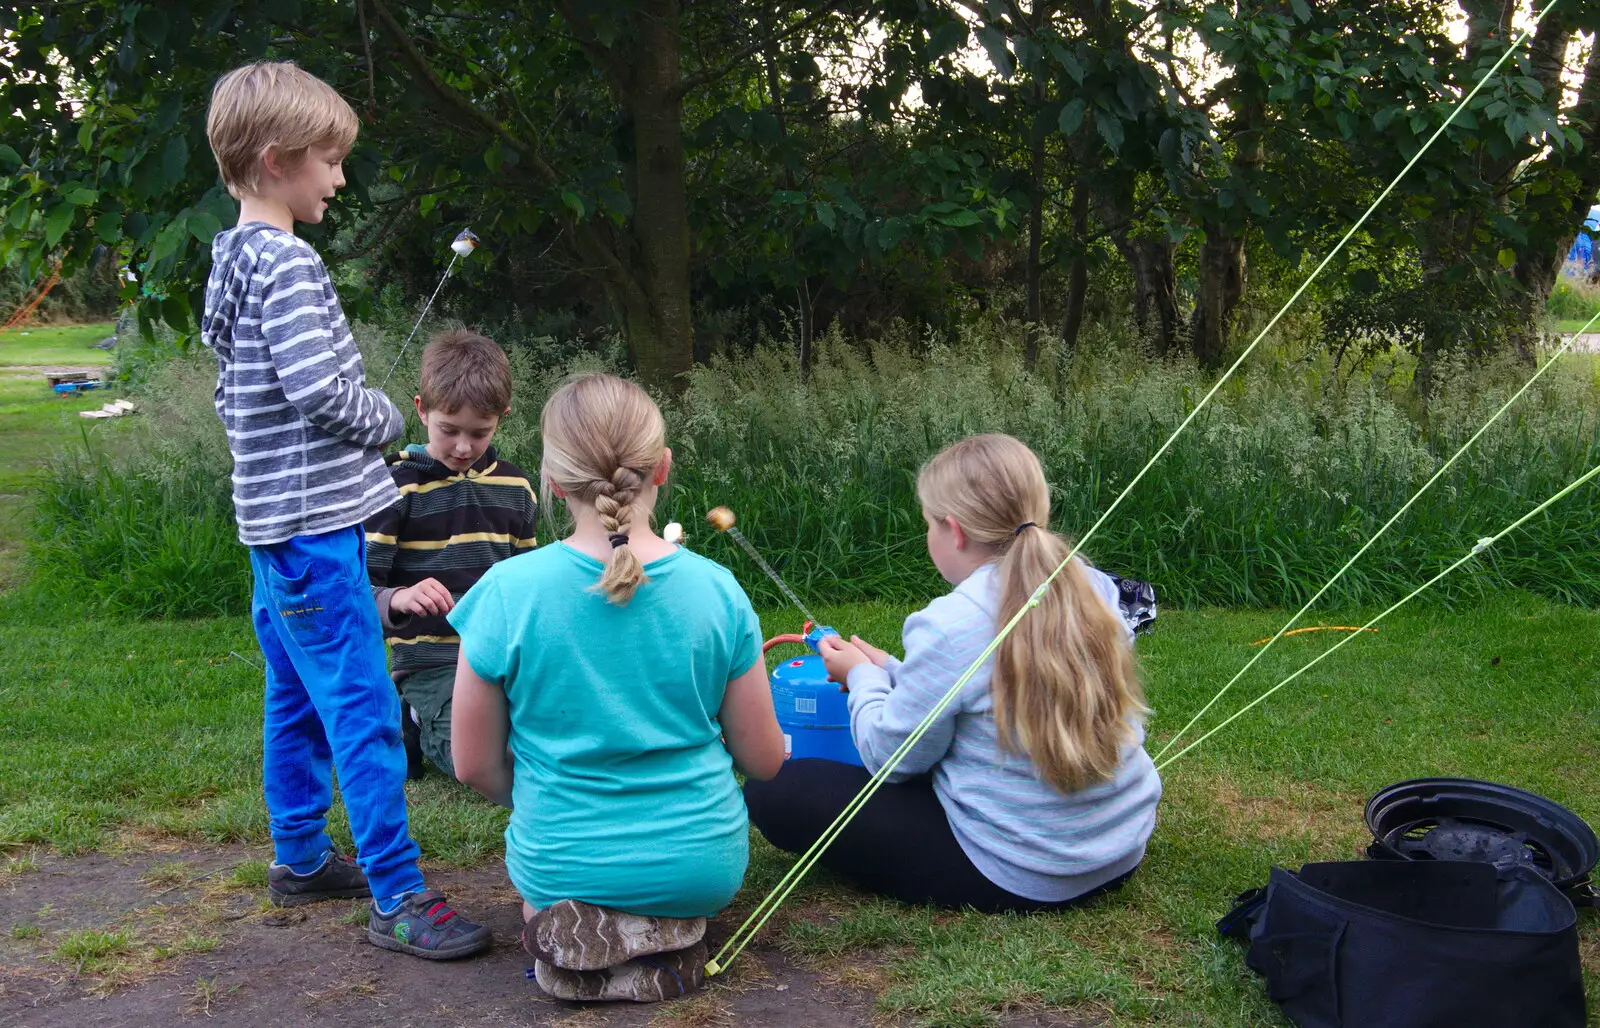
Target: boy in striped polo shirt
[(304, 430), (461, 510)]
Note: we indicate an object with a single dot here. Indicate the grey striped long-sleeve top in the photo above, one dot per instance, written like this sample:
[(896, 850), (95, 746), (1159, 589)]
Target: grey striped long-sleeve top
[(304, 429), (1016, 828)]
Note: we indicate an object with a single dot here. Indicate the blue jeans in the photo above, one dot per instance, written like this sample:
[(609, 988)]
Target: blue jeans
[(330, 703)]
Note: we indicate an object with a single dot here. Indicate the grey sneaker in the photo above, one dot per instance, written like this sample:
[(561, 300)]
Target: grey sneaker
[(426, 925), (649, 979), (337, 878), (583, 937)]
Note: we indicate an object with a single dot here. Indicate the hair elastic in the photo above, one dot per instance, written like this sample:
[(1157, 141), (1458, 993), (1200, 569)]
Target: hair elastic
[(619, 539), (1025, 524)]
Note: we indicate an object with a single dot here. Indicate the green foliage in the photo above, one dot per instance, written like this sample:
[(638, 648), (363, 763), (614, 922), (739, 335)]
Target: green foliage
[(138, 536), (810, 176), (91, 948), (1268, 492), (1573, 299)]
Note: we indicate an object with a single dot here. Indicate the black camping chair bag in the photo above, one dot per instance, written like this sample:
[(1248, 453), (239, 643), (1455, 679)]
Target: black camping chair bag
[(1414, 944)]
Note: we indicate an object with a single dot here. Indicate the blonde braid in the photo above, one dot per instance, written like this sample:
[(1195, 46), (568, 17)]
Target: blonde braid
[(613, 501), (602, 437)]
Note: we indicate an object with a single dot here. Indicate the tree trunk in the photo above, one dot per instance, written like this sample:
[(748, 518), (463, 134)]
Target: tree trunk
[(803, 287), (1033, 272), (1078, 272), (1222, 256), (1155, 301), (660, 202), (1222, 267), (1539, 265)]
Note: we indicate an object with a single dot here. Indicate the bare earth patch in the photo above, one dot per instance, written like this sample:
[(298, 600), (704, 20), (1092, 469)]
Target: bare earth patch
[(1295, 810), (158, 938)]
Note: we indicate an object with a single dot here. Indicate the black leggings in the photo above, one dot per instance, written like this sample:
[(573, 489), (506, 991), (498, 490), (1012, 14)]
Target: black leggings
[(898, 845)]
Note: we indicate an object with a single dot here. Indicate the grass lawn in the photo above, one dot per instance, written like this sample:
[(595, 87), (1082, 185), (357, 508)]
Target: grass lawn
[(34, 422), (121, 733), (119, 730), (55, 344)]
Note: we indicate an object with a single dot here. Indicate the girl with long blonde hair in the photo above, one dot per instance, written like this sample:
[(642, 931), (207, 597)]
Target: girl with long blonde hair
[(624, 675), (1032, 789)]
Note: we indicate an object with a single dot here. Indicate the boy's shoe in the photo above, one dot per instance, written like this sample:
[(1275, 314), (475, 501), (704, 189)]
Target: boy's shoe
[(583, 937), (642, 980), (411, 735), (425, 925), (337, 878)]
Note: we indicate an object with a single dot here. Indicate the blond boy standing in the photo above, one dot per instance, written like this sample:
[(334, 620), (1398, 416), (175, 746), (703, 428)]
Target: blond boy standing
[(304, 430)]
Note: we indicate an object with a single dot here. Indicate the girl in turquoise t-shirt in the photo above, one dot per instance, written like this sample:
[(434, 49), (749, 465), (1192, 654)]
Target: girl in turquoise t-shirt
[(624, 675)]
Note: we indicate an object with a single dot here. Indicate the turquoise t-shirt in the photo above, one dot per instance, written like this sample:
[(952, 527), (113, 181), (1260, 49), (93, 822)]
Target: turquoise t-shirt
[(623, 793)]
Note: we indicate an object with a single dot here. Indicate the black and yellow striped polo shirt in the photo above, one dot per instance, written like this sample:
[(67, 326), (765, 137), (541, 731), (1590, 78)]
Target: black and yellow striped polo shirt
[(448, 526)]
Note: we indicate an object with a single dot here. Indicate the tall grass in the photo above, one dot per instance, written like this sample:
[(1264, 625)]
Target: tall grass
[(1288, 471), (1575, 297), (137, 538)]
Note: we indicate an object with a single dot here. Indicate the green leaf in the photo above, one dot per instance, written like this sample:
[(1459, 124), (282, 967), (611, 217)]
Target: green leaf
[(946, 39), (788, 196), (825, 215), (963, 218), (1301, 11), (80, 195), (893, 230), (1072, 117), (204, 226), (108, 228), (86, 136), (1068, 62), (1507, 257), (1167, 147), (426, 204), (573, 202), (152, 25), (57, 222), (174, 159), (1110, 130), (169, 238), (994, 44), (1029, 54), (9, 158)]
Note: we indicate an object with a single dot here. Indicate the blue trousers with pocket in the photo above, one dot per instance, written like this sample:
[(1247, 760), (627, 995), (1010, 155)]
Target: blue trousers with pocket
[(330, 703)]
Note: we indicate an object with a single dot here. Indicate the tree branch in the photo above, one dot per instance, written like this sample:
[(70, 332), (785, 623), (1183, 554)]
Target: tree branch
[(601, 56), (746, 52), (588, 241)]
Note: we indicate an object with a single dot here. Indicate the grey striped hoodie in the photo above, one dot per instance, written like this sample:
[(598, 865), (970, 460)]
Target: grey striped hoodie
[(1018, 830), (303, 427)]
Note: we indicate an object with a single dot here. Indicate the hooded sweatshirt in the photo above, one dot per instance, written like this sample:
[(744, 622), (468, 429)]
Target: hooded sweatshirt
[(449, 526), (303, 426)]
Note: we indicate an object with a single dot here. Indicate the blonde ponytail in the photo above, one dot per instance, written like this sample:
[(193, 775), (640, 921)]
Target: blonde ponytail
[(603, 437), (1065, 687)]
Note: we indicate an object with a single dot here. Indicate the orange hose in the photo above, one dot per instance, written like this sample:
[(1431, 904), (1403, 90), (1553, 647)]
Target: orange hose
[(1317, 628), (779, 640)]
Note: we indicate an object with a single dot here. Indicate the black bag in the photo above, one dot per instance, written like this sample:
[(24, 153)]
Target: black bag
[(1418, 944)]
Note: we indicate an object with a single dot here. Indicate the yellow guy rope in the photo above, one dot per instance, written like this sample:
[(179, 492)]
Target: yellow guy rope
[(765, 909)]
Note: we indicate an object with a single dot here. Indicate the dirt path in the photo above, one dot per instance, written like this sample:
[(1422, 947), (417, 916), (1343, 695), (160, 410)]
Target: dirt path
[(211, 951)]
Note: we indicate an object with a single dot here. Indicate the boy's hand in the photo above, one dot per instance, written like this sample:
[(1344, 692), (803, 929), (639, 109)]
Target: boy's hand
[(839, 657), (874, 654), (426, 597)]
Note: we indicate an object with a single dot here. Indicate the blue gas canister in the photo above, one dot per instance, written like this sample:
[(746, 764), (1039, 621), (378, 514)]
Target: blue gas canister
[(813, 713)]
